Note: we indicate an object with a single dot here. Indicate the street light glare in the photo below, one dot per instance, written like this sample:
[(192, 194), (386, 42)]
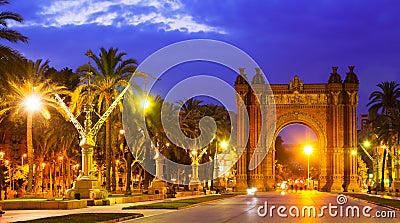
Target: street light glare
[(367, 144), (353, 152), (32, 103), (145, 103), (224, 144), (308, 149)]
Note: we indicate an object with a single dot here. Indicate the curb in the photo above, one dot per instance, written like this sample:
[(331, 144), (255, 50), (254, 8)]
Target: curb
[(122, 219), (371, 202), (205, 202)]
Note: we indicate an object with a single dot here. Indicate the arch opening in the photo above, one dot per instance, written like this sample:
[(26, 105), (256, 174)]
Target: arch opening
[(297, 158)]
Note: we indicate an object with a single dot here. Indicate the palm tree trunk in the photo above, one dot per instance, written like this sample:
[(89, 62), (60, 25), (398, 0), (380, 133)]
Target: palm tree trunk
[(108, 150), (129, 160), (390, 169), (383, 171), (31, 157), (114, 172), (51, 178), (68, 171), (36, 176)]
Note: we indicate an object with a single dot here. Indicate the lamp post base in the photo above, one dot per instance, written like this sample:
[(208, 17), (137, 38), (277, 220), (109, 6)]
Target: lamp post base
[(158, 187), (85, 188), (195, 185)]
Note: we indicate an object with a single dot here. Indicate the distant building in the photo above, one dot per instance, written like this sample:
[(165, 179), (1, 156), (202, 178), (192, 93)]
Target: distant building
[(12, 144), (363, 121)]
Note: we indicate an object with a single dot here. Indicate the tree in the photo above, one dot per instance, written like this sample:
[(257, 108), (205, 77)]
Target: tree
[(23, 91), (362, 170), (384, 113), (110, 74), (6, 53)]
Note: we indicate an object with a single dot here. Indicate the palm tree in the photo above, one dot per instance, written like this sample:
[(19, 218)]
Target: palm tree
[(25, 94), (383, 110), (110, 74), (9, 34)]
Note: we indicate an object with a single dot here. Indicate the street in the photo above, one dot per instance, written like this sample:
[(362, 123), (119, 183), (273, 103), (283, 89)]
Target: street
[(245, 209)]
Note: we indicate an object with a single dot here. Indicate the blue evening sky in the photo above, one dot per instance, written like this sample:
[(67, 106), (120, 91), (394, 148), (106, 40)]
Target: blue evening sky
[(285, 37)]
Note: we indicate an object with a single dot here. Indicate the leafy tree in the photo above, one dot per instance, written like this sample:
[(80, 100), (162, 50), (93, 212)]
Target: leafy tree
[(362, 170), (6, 53), (21, 91), (384, 113)]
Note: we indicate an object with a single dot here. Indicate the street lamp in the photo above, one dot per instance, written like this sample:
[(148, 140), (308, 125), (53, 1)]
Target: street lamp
[(60, 187), (366, 144), (223, 145), (117, 174), (43, 166), (33, 103), (308, 150), (145, 103), (22, 159)]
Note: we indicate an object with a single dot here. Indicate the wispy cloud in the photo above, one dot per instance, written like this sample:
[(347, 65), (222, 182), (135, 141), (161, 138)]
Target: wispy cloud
[(169, 15)]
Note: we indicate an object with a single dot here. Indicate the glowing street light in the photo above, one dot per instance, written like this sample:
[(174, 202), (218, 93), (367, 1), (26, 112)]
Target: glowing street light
[(353, 152), (145, 103), (33, 103), (223, 144), (366, 144), (308, 150), (22, 159)]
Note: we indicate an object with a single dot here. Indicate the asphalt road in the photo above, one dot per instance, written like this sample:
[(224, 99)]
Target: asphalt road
[(282, 207), (245, 208)]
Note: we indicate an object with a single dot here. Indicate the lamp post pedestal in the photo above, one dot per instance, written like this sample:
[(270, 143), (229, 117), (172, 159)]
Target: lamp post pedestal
[(87, 186), (194, 183), (158, 186)]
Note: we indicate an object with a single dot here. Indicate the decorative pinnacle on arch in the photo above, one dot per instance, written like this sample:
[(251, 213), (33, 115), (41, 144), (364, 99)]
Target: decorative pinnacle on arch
[(351, 77), (258, 78), (335, 77)]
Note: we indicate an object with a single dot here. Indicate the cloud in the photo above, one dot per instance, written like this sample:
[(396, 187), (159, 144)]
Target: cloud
[(169, 15)]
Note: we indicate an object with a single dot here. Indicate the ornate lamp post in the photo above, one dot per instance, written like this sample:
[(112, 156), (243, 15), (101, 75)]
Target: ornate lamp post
[(308, 150), (158, 185), (42, 175), (86, 185)]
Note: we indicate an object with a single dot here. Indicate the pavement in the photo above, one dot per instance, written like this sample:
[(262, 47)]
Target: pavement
[(24, 215), (243, 208), (263, 207)]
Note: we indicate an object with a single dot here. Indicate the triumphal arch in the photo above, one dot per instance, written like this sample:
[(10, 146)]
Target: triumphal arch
[(329, 109)]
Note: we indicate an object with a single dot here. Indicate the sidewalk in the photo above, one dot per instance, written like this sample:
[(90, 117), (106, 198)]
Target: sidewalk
[(23, 215), (384, 196)]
